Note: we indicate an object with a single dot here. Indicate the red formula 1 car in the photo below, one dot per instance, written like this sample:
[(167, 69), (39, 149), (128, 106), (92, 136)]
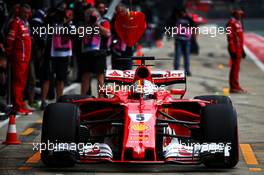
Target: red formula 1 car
[(141, 122)]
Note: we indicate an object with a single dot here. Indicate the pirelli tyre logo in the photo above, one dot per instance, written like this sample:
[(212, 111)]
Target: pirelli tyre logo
[(139, 127)]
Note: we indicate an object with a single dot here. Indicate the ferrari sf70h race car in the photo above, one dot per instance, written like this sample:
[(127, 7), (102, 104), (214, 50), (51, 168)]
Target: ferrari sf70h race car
[(141, 121)]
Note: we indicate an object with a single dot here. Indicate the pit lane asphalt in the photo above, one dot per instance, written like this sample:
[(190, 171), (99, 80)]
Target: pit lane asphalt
[(210, 76)]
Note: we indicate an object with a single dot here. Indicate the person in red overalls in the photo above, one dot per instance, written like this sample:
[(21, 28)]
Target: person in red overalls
[(235, 40), (18, 51)]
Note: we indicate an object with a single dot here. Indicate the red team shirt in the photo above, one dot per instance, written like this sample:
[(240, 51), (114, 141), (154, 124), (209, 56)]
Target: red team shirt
[(19, 41)]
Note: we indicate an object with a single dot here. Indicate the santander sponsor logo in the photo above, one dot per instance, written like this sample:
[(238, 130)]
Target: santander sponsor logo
[(173, 74), (156, 74), (168, 74), (129, 74)]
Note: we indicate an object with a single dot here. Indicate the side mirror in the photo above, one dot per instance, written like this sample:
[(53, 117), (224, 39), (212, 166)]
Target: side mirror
[(180, 92)]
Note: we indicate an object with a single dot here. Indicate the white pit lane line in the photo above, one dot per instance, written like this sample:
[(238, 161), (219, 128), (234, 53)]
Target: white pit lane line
[(67, 89), (253, 57)]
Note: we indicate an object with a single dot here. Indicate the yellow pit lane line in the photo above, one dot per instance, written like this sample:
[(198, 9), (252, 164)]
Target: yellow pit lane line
[(34, 158), (27, 132), (39, 121), (31, 160), (255, 169), (248, 154)]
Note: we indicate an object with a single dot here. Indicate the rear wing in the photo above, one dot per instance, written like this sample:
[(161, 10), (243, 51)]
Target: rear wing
[(159, 77)]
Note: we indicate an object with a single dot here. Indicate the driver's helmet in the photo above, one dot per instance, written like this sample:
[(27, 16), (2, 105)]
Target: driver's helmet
[(143, 88)]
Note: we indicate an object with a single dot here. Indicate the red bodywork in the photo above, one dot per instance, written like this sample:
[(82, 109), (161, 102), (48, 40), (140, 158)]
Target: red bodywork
[(139, 115)]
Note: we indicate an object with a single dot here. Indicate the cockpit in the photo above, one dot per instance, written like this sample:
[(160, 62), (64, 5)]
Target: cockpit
[(144, 89)]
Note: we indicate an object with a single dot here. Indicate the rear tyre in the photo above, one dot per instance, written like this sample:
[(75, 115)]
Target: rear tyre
[(60, 125), (70, 98), (219, 125)]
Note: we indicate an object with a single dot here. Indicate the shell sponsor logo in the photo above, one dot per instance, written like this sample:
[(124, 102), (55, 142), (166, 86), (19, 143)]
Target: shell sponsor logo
[(139, 127), (141, 138)]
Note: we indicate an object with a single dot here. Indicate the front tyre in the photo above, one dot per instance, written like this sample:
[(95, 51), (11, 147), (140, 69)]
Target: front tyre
[(60, 126), (219, 125), (72, 97)]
